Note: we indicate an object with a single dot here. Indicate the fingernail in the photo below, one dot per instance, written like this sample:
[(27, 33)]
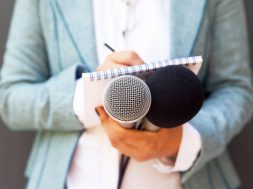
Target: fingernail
[(96, 111)]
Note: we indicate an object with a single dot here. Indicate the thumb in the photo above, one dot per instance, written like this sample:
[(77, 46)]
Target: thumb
[(101, 113)]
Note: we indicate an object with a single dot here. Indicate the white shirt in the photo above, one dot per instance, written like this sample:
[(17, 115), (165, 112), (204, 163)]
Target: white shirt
[(95, 163)]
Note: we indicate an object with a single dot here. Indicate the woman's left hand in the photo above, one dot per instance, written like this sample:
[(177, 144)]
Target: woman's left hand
[(141, 145)]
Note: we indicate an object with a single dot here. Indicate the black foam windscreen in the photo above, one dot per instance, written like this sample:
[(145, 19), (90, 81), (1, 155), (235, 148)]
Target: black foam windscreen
[(177, 96)]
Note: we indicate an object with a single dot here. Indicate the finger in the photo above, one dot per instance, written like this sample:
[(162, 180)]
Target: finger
[(118, 133), (124, 148), (109, 65), (128, 58), (102, 114), (112, 128), (138, 138), (143, 141), (130, 136), (131, 151)]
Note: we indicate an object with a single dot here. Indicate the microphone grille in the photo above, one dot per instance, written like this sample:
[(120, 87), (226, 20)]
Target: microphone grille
[(127, 98)]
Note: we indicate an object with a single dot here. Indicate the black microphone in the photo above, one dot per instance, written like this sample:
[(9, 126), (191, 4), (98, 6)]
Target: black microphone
[(177, 96)]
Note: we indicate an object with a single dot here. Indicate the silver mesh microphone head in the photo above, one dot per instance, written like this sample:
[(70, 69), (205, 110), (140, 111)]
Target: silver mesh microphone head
[(127, 99)]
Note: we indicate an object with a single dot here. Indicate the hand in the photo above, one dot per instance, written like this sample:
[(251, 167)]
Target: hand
[(120, 59), (141, 145)]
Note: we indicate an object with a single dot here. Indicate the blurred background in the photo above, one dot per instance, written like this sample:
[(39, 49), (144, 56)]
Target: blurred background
[(15, 146)]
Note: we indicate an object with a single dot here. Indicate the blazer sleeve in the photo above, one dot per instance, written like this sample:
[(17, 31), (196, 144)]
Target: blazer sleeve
[(229, 104), (30, 99)]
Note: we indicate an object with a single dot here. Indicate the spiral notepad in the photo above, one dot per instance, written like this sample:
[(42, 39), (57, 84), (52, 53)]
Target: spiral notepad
[(147, 67), (95, 82)]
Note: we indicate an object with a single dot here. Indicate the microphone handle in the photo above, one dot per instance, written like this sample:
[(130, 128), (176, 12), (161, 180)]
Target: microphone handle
[(131, 125), (149, 126)]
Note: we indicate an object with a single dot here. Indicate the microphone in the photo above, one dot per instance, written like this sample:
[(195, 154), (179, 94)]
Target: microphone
[(127, 100), (177, 96)]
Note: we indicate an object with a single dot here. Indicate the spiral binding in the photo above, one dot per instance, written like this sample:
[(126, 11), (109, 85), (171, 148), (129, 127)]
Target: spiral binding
[(138, 69)]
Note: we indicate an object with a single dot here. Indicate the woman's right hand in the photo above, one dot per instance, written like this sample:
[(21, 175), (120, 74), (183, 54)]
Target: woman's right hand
[(120, 59)]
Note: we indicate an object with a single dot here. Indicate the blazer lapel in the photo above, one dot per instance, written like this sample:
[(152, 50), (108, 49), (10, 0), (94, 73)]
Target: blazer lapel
[(185, 22), (77, 18)]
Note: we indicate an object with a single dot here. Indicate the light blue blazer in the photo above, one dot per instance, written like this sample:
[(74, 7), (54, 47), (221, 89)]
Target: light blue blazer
[(50, 38)]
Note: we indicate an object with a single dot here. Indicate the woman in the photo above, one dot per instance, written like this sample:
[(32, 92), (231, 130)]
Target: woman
[(50, 39)]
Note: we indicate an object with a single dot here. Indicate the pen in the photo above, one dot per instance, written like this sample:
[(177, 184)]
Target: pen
[(109, 47)]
